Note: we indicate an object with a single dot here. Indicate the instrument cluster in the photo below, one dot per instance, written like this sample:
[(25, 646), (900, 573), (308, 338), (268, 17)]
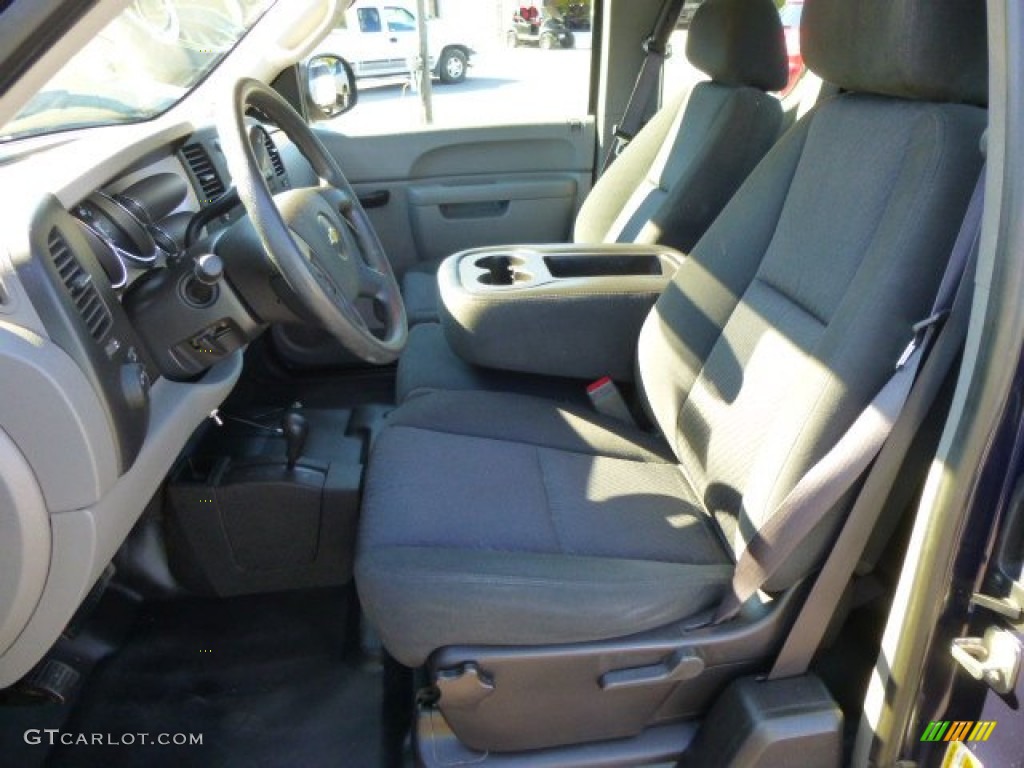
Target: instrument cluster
[(137, 228)]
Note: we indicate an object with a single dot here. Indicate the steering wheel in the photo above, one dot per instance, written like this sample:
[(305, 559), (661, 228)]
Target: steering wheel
[(319, 239)]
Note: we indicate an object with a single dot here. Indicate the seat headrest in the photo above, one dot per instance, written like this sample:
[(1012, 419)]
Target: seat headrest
[(932, 50), (739, 42)]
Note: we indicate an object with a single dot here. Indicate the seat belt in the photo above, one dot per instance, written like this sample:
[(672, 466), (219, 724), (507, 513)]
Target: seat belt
[(838, 471), (816, 613), (656, 51)]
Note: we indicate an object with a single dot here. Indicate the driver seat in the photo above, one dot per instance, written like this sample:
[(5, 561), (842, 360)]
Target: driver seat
[(525, 550)]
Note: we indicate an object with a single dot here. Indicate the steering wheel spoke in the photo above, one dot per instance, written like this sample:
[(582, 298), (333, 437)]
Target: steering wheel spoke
[(373, 284), (341, 201), (325, 281), (321, 275), (319, 238), (357, 318)]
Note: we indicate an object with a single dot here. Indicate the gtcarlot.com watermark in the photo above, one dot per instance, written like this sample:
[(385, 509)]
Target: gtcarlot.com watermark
[(52, 737)]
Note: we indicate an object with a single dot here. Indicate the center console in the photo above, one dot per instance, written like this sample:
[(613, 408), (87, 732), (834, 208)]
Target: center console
[(556, 310)]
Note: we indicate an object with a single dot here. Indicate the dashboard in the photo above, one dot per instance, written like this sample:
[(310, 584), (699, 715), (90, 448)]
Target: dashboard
[(139, 221), (117, 339), (100, 277), (107, 368)]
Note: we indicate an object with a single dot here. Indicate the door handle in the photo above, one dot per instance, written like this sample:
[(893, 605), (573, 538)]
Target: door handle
[(377, 199), (394, 39)]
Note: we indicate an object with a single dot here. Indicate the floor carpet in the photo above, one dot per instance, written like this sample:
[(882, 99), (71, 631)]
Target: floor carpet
[(263, 680)]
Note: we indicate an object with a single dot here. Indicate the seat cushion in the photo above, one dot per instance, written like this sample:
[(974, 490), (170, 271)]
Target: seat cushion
[(554, 526), (789, 314), (419, 292), (429, 364)]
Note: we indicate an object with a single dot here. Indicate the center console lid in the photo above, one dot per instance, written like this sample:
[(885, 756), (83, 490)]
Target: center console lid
[(558, 310)]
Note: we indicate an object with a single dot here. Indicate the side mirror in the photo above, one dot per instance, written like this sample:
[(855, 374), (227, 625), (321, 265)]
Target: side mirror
[(330, 86)]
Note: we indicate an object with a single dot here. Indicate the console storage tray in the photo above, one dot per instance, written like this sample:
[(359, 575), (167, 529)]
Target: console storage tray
[(558, 310)]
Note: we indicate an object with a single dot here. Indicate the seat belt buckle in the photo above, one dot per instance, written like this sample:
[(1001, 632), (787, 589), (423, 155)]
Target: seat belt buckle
[(605, 397)]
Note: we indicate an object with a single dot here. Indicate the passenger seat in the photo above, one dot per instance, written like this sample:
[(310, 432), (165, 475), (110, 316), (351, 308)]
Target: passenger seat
[(678, 173)]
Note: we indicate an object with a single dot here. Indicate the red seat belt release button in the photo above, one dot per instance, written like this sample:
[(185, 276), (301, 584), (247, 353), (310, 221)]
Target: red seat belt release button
[(606, 399)]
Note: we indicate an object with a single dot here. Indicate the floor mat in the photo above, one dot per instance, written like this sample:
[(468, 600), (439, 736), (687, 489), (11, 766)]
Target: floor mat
[(262, 680)]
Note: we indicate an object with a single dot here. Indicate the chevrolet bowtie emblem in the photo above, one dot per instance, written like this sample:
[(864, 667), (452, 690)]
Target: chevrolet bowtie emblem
[(333, 235)]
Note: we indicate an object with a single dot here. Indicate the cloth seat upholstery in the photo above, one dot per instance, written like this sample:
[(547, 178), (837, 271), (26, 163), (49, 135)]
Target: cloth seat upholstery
[(553, 524), (778, 330)]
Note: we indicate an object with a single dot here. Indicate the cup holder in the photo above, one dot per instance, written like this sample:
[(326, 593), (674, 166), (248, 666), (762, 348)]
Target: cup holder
[(502, 270)]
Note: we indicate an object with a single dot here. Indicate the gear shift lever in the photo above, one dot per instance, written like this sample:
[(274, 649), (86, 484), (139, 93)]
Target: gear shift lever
[(296, 429)]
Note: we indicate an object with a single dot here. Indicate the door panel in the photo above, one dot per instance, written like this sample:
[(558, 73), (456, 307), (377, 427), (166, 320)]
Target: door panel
[(450, 217), (455, 188)]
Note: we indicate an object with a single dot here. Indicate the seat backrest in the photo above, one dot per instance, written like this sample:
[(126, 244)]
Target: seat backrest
[(791, 311), (673, 179)]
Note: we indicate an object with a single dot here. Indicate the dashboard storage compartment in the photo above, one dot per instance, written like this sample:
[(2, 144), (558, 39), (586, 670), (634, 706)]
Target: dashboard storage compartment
[(259, 527), (557, 310), (240, 521), (272, 519)]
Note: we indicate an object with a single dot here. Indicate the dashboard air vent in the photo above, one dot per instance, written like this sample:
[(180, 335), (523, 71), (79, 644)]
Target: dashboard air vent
[(203, 169), (80, 287), (275, 156)]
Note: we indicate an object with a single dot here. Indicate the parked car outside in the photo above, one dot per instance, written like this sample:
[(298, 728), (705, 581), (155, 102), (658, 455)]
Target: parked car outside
[(380, 39)]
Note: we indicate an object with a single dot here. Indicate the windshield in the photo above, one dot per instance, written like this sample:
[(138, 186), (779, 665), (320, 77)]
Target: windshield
[(142, 63)]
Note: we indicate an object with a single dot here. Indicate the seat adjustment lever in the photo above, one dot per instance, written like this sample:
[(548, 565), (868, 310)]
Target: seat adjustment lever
[(463, 687), (674, 668)]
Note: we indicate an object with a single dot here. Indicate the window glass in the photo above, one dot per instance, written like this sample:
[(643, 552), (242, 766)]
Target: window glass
[(369, 20), (489, 63), (399, 20), (142, 63)]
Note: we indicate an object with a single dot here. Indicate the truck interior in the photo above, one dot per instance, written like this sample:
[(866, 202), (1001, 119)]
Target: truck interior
[(539, 443)]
